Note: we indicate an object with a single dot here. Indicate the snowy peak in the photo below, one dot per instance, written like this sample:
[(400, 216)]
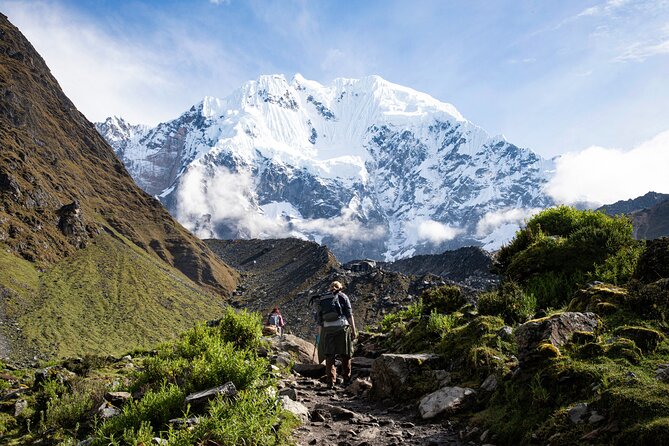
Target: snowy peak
[(372, 168)]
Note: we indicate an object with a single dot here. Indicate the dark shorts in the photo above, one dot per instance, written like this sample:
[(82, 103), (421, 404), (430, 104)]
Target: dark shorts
[(335, 341)]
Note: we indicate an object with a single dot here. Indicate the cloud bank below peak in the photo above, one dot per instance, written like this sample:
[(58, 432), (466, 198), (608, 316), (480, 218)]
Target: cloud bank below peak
[(600, 175)]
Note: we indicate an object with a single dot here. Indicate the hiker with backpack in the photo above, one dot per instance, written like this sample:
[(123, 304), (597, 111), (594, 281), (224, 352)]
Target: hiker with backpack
[(336, 332), (275, 321)]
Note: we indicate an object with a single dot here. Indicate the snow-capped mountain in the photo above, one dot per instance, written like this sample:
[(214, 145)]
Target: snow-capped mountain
[(370, 168)]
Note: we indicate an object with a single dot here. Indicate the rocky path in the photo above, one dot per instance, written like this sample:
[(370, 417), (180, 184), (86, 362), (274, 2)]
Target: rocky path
[(345, 417)]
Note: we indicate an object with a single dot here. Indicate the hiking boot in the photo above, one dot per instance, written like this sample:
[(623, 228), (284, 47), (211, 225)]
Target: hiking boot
[(330, 385)]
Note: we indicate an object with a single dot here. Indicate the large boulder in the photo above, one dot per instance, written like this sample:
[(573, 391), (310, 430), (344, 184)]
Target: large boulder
[(302, 350), (445, 400), (403, 377), (542, 338)]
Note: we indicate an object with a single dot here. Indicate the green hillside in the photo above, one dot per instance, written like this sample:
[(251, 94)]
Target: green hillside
[(107, 298)]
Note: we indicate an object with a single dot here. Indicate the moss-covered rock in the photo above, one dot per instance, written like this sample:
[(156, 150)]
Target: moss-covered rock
[(616, 348), (546, 350), (651, 433), (601, 298), (654, 261), (646, 339), (556, 330), (625, 349), (651, 300), (476, 349)]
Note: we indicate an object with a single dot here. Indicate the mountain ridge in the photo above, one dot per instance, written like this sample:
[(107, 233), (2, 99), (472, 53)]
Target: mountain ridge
[(370, 168)]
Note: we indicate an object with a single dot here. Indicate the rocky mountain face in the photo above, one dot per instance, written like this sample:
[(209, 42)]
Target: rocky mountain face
[(64, 194), (288, 272), (370, 168), (635, 204), (649, 214), (470, 266)]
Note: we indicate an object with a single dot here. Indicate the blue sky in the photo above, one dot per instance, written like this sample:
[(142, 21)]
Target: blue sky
[(554, 76)]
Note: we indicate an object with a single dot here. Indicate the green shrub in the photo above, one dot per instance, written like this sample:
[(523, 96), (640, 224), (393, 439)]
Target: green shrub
[(443, 299), (66, 406), (562, 247), (440, 324), (508, 302), (202, 358), (7, 423), (241, 328), (155, 408), (253, 418), (392, 320)]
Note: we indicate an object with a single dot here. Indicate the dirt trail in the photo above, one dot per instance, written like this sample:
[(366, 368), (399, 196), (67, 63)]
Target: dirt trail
[(339, 418)]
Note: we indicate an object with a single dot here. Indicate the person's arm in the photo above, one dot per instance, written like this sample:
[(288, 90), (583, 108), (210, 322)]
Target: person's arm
[(348, 312), (351, 321)]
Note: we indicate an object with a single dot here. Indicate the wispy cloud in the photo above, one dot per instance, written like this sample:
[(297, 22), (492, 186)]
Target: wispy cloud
[(607, 7), (492, 221), (640, 51), (602, 175)]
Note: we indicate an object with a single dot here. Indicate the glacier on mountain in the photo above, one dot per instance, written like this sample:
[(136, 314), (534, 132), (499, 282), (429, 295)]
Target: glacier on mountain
[(368, 167)]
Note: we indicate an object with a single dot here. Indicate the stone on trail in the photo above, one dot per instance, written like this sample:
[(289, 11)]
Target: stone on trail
[(309, 370), (289, 392), (297, 409), (358, 386), (447, 399), (391, 372), (338, 413)]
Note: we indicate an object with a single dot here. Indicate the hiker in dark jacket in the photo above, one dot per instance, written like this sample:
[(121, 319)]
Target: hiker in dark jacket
[(275, 319), (336, 334)]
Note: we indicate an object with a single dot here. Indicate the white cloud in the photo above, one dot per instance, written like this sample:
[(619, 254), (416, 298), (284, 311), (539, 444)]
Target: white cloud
[(219, 2), (605, 8), (601, 175), (228, 199), (343, 227), (492, 221), (106, 71), (433, 231), (638, 52)]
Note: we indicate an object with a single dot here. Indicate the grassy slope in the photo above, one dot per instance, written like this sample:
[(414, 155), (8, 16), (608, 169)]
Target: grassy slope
[(107, 298)]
